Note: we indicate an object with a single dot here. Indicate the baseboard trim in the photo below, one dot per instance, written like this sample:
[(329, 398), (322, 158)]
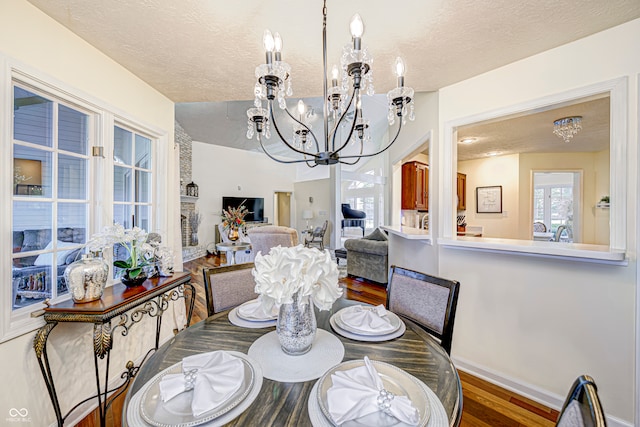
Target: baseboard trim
[(529, 391)]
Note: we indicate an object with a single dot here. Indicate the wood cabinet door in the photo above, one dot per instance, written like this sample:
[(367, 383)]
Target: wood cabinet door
[(415, 186), (422, 186), (462, 191)]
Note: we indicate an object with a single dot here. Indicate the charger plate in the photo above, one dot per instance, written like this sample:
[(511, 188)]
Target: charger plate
[(333, 320), (251, 324), (394, 320), (438, 416), (394, 379), (177, 411)]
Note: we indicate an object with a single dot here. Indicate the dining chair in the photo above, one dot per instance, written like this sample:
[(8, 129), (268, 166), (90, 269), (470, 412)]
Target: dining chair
[(316, 237), (264, 238), (427, 300), (539, 227), (582, 407), (228, 286)]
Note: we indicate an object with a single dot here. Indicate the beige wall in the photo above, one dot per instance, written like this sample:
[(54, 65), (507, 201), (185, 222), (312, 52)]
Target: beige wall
[(595, 178), (500, 170), (514, 174), (42, 45)]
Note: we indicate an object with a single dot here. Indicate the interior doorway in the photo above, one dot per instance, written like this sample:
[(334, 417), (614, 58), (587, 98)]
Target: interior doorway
[(282, 208), (557, 204)]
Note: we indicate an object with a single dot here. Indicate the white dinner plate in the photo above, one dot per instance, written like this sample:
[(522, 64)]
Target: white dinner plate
[(394, 320), (333, 320), (177, 411), (395, 380), (251, 324)]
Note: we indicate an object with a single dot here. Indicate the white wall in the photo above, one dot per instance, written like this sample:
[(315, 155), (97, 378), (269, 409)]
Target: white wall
[(489, 172), (223, 171), (537, 323), (320, 190), (28, 36)]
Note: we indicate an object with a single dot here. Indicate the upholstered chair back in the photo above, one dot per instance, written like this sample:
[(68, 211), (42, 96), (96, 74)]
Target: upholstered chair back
[(228, 286), (266, 237), (427, 300)]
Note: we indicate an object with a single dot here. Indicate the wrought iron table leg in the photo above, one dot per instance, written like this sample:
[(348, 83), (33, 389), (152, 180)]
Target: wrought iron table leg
[(40, 347)]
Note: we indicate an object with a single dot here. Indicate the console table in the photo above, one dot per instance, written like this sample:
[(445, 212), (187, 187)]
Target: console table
[(152, 298)]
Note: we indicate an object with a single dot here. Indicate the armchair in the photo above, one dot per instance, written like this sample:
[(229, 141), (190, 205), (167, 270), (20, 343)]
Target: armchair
[(368, 257), (316, 237), (352, 217)]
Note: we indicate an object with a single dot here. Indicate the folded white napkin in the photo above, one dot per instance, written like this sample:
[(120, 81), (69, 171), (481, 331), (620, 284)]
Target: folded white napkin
[(254, 310), (359, 392), (368, 319), (214, 377)]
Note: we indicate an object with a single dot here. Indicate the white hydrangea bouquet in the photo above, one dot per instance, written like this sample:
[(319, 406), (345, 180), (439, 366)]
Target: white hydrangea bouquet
[(290, 270)]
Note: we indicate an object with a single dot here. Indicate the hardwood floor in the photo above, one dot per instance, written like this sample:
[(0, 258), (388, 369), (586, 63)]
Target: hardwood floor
[(484, 404)]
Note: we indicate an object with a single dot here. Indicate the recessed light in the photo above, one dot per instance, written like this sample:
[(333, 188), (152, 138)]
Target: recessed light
[(469, 140), (493, 153)]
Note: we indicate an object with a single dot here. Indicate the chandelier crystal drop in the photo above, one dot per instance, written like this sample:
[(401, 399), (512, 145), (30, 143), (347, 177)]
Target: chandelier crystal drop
[(567, 127), (342, 101)]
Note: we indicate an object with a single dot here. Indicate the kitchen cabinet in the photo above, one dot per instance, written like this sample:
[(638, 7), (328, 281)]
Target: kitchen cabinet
[(461, 191), (415, 186)]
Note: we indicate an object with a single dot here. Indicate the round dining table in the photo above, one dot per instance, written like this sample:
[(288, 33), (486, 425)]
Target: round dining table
[(285, 403)]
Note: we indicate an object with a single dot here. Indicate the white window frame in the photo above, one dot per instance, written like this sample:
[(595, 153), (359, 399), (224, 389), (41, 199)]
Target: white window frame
[(616, 253), (100, 176)]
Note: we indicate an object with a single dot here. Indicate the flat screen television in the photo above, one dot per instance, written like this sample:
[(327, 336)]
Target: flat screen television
[(254, 204)]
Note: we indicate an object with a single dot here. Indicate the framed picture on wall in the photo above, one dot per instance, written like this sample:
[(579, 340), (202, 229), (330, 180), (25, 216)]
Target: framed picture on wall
[(489, 199)]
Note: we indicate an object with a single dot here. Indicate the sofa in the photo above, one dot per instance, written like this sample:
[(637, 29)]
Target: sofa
[(368, 257), (32, 273)]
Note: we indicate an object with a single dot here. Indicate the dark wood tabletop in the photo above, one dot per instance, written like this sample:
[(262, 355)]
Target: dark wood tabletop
[(285, 404)]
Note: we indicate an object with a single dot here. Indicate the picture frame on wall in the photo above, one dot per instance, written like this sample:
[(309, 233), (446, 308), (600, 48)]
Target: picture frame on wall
[(489, 199)]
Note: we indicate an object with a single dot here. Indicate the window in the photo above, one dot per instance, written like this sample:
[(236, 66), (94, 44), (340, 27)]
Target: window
[(557, 203), (132, 177), (50, 194), (131, 184), (52, 210)]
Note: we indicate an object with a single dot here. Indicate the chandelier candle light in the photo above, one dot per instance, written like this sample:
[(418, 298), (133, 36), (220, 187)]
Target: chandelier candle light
[(274, 82), (567, 127)]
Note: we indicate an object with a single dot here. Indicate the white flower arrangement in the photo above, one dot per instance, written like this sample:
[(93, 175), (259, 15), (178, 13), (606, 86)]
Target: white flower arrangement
[(133, 239), (305, 271)]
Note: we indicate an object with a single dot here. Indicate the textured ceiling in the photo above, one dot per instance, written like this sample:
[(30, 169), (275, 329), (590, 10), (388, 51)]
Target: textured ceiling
[(533, 133), (206, 51)]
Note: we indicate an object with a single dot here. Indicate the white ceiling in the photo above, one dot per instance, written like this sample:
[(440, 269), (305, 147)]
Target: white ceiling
[(533, 133), (207, 50)]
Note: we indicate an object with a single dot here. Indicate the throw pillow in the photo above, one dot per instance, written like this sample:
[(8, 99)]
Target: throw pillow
[(35, 239), (61, 254), (377, 234)]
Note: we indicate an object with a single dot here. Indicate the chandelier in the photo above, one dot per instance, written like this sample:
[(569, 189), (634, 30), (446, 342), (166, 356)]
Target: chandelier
[(341, 102), (567, 127)]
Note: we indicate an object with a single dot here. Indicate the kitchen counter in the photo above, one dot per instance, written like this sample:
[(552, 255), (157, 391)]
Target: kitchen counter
[(411, 233)]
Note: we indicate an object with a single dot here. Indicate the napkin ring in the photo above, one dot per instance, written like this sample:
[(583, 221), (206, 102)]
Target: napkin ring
[(190, 379), (384, 401)]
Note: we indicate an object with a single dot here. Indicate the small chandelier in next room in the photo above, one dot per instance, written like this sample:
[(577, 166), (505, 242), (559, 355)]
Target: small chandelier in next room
[(341, 102), (567, 127)]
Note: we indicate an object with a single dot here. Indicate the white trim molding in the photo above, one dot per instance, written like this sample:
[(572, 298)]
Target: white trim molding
[(618, 92), (522, 388)]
